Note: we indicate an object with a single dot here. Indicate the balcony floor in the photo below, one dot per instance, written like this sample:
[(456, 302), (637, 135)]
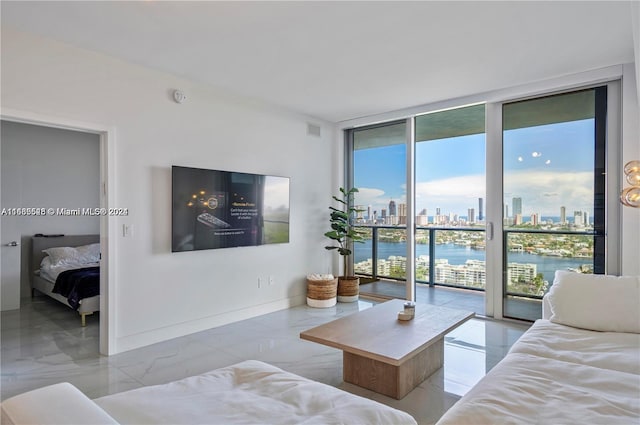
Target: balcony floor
[(462, 299)]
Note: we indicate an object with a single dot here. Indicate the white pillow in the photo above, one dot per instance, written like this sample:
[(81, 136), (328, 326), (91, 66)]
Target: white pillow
[(45, 268), (596, 302), (61, 254), (84, 254), (89, 253)]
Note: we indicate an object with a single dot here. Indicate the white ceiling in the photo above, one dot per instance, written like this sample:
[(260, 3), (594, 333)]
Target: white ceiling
[(343, 60)]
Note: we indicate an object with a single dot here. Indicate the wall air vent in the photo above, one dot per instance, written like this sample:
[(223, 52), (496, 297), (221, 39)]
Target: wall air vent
[(313, 130)]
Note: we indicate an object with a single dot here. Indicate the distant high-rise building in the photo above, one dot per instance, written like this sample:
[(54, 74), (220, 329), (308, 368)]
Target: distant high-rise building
[(383, 213), (359, 216), (517, 219), (402, 213), (585, 216), (506, 210), (480, 210), (578, 218), (392, 208), (563, 215), (535, 219), (422, 219), (438, 211), (369, 217), (471, 215), (516, 206)]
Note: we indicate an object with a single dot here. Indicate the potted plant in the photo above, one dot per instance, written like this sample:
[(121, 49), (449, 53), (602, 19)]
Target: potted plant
[(344, 233)]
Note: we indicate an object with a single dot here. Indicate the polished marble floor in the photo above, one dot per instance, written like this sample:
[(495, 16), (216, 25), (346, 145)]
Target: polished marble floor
[(43, 343), (464, 299)]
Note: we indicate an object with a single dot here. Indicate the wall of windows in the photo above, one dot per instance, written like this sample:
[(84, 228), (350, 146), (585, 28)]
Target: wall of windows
[(549, 213)]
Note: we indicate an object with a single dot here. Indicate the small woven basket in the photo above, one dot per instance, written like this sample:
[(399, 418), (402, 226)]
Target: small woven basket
[(322, 290), (349, 287)]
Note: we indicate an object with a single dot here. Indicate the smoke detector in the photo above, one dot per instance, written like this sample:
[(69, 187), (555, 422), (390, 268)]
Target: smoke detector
[(179, 96)]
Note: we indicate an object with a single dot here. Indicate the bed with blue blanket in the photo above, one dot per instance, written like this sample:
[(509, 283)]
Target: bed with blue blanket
[(67, 269)]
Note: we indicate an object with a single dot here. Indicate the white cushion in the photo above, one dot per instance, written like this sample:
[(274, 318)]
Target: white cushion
[(53, 405), (596, 302)]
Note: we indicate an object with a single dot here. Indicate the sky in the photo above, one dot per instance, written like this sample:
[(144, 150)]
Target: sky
[(548, 166)]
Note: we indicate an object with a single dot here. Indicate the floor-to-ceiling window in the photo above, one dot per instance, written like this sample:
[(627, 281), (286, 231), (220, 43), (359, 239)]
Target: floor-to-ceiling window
[(547, 164), (553, 188), (379, 173), (449, 198)]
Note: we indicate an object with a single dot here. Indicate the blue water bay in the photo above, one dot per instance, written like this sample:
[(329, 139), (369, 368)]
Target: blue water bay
[(457, 254)]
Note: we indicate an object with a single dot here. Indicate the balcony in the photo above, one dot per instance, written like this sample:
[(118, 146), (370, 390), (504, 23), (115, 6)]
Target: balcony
[(450, 265)]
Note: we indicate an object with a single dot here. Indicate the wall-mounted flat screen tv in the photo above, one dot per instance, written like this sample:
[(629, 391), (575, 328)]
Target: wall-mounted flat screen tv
[(223, 209)]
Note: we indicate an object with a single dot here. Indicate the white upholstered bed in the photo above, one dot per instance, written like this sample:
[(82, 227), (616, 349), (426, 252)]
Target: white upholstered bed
[(42, 245), (580, 364), (250, 392)]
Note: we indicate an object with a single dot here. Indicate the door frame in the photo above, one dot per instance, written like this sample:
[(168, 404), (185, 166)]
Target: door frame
[(107, 224)]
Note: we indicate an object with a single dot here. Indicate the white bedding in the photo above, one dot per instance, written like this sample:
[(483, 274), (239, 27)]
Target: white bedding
[(250, 392), (528, 389), (51, 271), (607, 350), (556, 374)]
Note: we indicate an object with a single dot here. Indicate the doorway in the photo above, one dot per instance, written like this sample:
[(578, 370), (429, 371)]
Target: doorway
[(103, 169)]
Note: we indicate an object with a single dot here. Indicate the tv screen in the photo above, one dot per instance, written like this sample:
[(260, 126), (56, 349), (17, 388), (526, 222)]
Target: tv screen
[(223, 209)]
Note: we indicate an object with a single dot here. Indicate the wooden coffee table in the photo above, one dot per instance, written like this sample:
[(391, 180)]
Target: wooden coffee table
[(387, 355)]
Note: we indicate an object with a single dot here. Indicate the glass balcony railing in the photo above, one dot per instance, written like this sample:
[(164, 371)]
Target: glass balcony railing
[(455, 257), (534, 256), (444, 256)]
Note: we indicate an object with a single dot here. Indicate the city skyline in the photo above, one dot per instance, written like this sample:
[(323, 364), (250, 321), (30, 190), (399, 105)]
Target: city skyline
[(384, 217), (547, 166)]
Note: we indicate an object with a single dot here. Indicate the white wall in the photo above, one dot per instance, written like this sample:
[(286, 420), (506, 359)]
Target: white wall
[(631, 150), (630, 217), (58, 169), (159, 295)]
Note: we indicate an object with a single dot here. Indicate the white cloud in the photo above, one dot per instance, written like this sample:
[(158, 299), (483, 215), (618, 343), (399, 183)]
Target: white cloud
[(542, 192), (452, 195), (377, 198), (545, 192)]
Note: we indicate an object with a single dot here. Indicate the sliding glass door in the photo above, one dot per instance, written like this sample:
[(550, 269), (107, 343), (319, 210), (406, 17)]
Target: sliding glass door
[(553, 193), (379, 172), (449, 198)]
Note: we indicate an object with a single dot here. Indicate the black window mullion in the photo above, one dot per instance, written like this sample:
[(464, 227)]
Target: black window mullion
[(600, 161)]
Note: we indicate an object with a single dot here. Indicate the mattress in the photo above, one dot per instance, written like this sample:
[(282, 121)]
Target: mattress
[(250, 392), (561, 375), (618, 351)]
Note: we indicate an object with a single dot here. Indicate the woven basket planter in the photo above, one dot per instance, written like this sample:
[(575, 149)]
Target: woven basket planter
[(322, 293), (348, 289)]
